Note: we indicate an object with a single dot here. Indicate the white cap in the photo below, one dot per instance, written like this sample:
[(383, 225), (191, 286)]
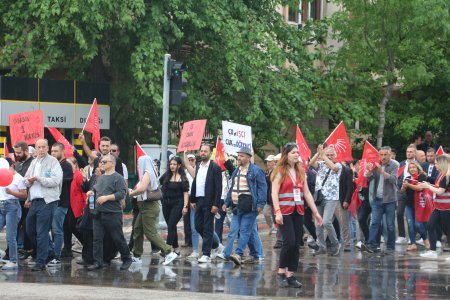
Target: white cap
[(277, 157), (190, 156), (270, 158)]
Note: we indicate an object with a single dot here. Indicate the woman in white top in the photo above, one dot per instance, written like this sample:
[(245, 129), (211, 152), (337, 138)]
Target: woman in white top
[(10, 213)]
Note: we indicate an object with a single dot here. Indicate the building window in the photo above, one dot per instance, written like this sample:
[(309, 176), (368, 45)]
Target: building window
[(293, 12)]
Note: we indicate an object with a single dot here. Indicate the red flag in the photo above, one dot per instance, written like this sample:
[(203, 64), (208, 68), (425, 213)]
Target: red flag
[(219, 156), (355, 203), (139, 151), (303, 149), (338, 139), (400, 171), (440, 151), (5, 147), (92, 124), (68, 149), (361, 181), (370, 155)]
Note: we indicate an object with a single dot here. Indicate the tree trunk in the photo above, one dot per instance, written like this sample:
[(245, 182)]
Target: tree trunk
[(386, 97)]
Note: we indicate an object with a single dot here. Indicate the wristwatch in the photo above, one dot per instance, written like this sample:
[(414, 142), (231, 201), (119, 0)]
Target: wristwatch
[(186, 206)]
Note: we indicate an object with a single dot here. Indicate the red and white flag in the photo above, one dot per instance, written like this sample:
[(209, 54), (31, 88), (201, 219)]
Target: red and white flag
[(440, 151), (219, 156), (400, 171), (92, 124), (338, 140), (68, 148), (139, 151), (303, 148)]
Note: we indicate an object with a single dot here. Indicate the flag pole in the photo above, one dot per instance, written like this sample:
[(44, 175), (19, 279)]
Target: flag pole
[(333, 131), (90, 110)]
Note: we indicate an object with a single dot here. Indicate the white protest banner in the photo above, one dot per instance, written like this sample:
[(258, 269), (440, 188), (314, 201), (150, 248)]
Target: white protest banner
[(236, 136)]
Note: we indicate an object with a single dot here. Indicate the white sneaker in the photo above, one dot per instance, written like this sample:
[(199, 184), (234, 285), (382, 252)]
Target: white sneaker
[(310, 239), (169, 272), (220, 249), (401, 240), (221, 256), (438, 244), (169, 258), (204, 259), (54, 263), (382, 239), (136, 260), (2, 253), (429, 254), (420, 242), (194, 255), (358, 245), (10, 266), (215, 252)]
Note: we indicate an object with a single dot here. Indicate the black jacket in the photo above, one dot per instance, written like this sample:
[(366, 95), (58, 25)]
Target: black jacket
[(64, 198), (434, 174), (213, 186), (346, 185)]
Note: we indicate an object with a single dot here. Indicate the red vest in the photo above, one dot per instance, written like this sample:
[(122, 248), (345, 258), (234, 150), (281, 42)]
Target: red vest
[(442, 202), (286, 196)]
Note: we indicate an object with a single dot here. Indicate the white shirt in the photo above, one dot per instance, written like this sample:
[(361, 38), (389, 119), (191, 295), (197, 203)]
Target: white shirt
[(330, 189), (190, 179), (430, 169), (201, 179), (125, 171), (16, 185), (35, 189)]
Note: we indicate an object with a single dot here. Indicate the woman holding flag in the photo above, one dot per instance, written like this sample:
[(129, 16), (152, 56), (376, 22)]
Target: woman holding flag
[(412, 195), (441, 213)]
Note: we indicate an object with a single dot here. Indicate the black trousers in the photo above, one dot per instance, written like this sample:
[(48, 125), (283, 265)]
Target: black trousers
[(88, 246), (70, 227), (204, 224), (401, 204), (438, 218), (309, 223), (364, 218), (291, 233), (218, 225), (172, 211), (109, 223), (187, 228)]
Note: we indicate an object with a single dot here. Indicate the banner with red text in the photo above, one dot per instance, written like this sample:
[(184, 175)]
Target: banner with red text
[(191, 135), (26, 126)]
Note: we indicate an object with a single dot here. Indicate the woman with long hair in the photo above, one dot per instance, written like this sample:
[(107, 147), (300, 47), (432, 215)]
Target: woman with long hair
[(289, 191), (410, 188), (175, 189), (441, 212), (10, 213)]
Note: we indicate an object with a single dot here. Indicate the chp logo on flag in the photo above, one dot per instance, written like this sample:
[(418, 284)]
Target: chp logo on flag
[(338, 140)]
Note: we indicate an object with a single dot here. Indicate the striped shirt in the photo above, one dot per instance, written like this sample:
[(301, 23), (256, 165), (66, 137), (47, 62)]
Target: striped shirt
[(240, 185)]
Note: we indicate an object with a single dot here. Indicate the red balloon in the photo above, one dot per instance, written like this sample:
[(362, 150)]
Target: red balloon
[(6, 177)]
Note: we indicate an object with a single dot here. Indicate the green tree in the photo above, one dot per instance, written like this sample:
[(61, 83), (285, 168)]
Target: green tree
[(398, 45), (245, 63)]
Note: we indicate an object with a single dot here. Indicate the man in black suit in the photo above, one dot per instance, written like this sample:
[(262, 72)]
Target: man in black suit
[(429, 168), (205, 197)]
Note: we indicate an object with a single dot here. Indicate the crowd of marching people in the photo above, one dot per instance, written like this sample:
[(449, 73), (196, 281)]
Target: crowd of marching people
[(53, 198)]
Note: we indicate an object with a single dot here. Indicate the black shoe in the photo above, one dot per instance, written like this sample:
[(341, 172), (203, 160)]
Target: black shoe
[(126, 264), (281, 278), (278, 245), (95, 266), (38, 267), (24, 255), (82, 263), (49, 258), (313, 245), (293, 282)]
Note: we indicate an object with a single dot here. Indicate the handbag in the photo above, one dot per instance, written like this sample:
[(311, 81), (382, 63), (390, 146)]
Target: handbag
[(318, 196), (245, 201), (155, 195)]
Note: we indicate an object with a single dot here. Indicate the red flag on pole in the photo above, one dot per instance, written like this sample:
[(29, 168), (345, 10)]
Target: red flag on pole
[(440, 151), (92, 124), (219, 156), (5, 147), (68, 149), (338, 139), (355, 203), (303, 148), (139, 151)]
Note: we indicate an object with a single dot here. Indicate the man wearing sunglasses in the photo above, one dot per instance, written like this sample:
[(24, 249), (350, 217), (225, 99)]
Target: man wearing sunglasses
[(109, 190)]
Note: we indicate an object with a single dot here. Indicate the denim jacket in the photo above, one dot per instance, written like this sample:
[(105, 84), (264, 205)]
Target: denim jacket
[(256, 183)]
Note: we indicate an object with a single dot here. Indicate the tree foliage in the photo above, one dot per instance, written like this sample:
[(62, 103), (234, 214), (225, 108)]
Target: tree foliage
[(245, 63)]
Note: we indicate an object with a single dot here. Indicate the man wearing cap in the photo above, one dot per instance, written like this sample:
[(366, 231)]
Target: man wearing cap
[(248, 192), (268, 209)]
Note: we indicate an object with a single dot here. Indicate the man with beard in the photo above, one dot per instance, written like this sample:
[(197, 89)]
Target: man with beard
[(205, 196), (60, 211)]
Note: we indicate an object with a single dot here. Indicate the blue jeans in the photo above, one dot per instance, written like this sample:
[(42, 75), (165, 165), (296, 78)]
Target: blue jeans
[(10, 213), (195, 235), (39, 223), (414, 226), (246, 223), (378, 210), (59, 214), (255, 244)]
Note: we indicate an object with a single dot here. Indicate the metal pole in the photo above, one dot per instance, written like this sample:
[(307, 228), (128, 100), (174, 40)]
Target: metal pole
[(165, 128)]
